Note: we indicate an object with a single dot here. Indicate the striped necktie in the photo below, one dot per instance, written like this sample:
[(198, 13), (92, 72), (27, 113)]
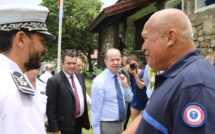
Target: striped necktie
[(76, 96)]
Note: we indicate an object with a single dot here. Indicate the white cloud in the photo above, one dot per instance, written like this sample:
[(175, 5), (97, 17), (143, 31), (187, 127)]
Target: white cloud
[(32, 2), (108, 3)]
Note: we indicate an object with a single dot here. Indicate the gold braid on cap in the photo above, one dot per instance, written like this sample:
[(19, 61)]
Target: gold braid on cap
[(30, 26)]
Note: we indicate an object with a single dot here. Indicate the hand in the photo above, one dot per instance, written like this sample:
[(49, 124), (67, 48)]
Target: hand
[(127, 68), (133, 72), (131, 129), (123, 80), (46, 124), (58, 132)]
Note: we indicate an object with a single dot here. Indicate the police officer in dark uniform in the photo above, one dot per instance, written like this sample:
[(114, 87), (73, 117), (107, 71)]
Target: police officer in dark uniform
[(183, 98)]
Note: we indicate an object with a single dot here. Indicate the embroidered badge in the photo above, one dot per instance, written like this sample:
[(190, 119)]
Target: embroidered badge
[(194, 115), (22, 83)]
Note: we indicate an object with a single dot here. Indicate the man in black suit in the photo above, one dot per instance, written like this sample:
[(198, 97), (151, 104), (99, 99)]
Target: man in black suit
[(66, 104)]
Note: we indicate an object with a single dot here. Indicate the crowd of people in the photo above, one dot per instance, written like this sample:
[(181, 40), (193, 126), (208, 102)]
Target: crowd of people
[(173, 94)]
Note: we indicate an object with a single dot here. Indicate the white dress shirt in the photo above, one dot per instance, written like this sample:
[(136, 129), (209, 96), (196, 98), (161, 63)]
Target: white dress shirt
[(104, 105), (79, 89), (45, 76)]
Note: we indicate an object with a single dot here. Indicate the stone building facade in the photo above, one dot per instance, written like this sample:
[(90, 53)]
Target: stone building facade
[(203, 23), (119, 20), (202, 16)]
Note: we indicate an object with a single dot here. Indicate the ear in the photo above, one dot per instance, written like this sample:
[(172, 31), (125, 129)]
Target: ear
[(172, 35), (19, 39), (105, 61)]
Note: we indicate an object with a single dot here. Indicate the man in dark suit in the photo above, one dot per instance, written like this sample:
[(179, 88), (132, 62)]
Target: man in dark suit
[(66, 104)]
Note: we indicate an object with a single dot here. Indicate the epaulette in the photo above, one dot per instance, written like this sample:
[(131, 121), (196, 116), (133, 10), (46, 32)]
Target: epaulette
[(40, 80), (22, 84)]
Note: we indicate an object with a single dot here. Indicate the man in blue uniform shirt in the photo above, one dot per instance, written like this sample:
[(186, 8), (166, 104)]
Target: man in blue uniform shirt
[(183, 98)]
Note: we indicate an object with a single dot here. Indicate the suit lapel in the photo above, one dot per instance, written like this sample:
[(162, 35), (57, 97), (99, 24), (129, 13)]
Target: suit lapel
[(66, 82), (80, 81)]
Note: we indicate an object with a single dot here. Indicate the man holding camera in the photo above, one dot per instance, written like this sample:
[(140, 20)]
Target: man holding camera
[(109, 92)]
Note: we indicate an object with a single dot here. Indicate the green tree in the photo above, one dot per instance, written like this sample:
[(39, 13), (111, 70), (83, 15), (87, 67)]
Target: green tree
[(78, 15)]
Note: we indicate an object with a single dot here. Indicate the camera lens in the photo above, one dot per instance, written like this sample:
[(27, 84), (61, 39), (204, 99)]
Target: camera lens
[(133, 66)]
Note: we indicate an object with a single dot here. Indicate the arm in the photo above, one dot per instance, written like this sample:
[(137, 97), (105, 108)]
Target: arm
[(87, 96), (88, 99), (145, 76), (97, 95), (140, 83), (51, 90), (127, 89), (58, 132), (194, 96), (133, 126)]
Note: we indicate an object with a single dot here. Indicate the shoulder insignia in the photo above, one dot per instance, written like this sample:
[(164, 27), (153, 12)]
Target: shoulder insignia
[(22, 83), (40, 80), (194, 115)]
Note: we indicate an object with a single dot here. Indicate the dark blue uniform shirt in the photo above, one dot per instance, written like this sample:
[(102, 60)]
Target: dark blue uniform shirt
[(183, 101)]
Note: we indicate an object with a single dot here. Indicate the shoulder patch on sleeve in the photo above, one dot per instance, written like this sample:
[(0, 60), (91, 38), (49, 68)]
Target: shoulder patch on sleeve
[(194, 115), (22, 83)]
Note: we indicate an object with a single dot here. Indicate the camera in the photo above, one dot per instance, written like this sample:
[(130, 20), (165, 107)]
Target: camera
[(121, 71), (133, 66)]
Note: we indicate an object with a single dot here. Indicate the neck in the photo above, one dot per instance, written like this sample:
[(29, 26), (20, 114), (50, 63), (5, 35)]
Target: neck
[(34, 84), (181, 51), (15, 58), (32, 80)]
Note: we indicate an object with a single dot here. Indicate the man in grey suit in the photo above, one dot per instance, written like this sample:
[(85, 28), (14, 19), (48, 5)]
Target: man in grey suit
[(66, 104)]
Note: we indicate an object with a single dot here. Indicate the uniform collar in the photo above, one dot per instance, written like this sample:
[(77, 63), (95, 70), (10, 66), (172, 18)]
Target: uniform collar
[(8, 63), (182, 63)]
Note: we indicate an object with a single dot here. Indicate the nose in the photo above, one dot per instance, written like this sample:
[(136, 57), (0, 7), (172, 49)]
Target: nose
[(45, 48), (116, 61), (73, 65), (143, 47)]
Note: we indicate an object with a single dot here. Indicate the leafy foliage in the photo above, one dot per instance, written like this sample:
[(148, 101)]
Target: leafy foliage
[(78, 15)]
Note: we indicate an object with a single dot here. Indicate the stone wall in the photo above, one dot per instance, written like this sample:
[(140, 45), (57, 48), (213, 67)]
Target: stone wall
[(107, 38), (203, 24)]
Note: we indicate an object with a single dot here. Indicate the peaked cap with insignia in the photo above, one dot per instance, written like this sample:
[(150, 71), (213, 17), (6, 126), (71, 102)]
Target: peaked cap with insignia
[(18, 17)]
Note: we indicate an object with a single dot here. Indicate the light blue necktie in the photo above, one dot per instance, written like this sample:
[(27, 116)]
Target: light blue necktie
[(122, 114)]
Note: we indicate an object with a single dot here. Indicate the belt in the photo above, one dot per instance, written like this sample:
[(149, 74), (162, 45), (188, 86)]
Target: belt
[(117, 121)]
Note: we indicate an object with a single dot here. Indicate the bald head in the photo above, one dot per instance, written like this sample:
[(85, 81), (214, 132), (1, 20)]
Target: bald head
[(113, 60), (172, 19), (167, 36), (111, 50), (48, 68), (79, 64)]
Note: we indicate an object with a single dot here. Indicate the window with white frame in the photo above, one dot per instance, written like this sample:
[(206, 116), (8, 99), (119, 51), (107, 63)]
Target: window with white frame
[(179, 4), (202, 5)]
